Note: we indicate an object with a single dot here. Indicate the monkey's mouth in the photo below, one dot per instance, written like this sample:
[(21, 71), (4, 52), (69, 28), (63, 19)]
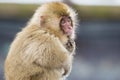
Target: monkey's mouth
[(68, 32)]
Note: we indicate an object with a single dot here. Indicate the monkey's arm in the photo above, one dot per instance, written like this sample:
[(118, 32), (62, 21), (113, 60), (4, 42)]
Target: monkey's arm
[(48, 52), (54, 55)]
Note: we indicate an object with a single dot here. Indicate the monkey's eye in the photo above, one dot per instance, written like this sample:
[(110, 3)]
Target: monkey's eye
[(62, 21), (68, 20), (65, 20)]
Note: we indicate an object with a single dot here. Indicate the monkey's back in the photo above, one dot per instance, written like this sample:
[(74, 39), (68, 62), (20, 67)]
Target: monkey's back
[(19, 64)]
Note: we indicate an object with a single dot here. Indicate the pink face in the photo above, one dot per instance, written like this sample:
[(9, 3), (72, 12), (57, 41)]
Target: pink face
[(66, 25)]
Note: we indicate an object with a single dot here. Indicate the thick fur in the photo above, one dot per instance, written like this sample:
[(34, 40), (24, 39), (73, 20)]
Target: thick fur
[(39, 51)]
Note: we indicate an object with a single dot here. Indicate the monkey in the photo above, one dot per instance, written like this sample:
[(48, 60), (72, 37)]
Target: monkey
[(44, 49)]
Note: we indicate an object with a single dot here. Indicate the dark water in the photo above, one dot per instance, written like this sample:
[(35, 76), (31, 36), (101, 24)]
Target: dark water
[(97, 54)]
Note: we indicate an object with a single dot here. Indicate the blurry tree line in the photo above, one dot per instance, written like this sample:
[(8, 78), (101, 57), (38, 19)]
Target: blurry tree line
[(22, 11)]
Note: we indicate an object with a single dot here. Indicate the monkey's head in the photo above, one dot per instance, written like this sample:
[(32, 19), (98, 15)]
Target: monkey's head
[(57, 18)]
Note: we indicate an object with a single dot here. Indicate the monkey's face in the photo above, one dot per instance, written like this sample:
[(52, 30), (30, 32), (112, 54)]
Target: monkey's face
[(62, 25), (66, 25)]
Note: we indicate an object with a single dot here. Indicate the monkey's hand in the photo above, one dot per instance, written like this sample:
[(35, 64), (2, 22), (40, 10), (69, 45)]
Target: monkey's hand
[(67, 67), (70, 45), (66, 71)]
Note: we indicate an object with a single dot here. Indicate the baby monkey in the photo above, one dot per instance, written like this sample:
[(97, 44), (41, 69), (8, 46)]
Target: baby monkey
[(44, 49)]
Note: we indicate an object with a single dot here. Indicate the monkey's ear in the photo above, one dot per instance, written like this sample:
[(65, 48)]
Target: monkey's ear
[(42, 20)]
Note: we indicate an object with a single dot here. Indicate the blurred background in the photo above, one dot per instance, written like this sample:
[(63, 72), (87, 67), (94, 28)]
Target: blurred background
[(98, 35)]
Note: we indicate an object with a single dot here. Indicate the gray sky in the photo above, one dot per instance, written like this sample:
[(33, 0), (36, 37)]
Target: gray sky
[(81, 2)]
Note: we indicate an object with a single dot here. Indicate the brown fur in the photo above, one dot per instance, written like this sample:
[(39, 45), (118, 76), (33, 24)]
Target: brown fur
[(38, 51)]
